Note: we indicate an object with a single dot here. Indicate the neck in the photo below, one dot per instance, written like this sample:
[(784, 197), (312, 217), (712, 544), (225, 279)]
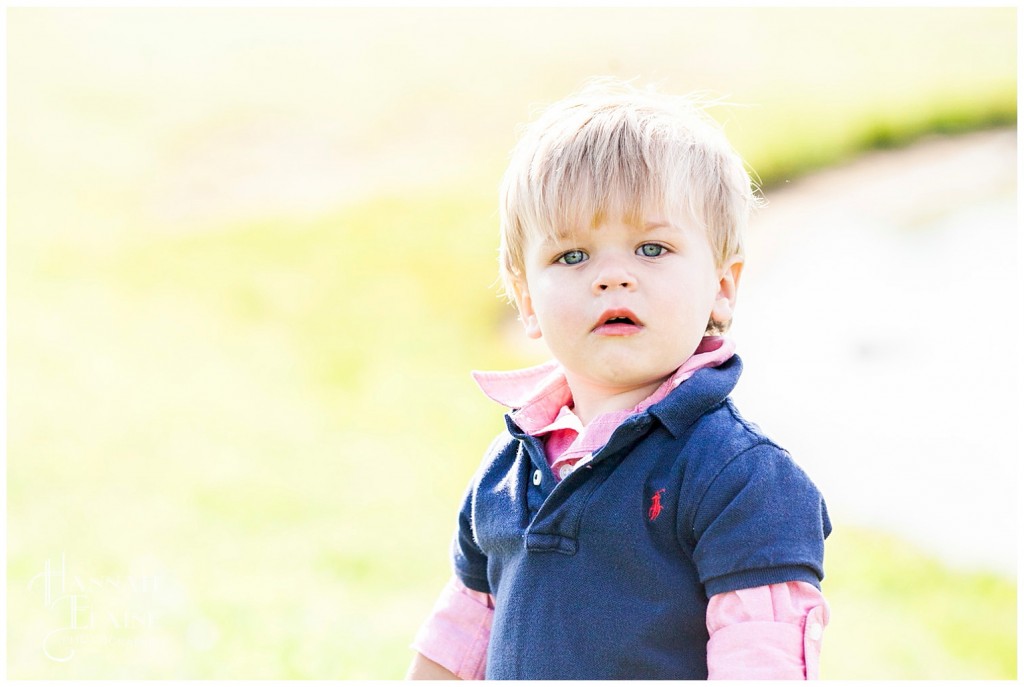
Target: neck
[(590, 400)]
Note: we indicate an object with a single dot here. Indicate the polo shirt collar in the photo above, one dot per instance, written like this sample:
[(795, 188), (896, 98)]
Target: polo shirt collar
[(536, 394), (539, 396)]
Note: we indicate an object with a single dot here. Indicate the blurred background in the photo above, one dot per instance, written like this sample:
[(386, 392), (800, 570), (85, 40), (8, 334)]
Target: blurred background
[(252, 260)]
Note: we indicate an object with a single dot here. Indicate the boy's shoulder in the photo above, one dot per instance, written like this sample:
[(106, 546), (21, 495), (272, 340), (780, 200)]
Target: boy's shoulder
[(723, 436), (728, 458), (713, 446), (704, 422), (502, 449)]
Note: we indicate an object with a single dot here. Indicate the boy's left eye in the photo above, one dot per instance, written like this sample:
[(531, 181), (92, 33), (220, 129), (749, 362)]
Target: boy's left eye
[(651, 250)]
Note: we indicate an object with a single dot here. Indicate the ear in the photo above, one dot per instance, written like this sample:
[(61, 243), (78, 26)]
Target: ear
[(728, 285), (524, 304)]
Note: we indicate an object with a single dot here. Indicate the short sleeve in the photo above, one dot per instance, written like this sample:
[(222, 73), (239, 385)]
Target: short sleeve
[(469, 560), (760, 521)]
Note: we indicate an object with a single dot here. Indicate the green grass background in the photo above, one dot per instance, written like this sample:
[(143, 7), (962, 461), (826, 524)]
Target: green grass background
[(251, 260)]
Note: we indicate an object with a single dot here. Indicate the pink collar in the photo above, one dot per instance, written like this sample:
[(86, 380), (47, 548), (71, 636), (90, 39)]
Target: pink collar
[(538, 394)]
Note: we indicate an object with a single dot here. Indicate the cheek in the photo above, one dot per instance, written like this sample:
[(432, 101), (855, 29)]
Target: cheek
[(689, 313), (552, 301), (553, 318)]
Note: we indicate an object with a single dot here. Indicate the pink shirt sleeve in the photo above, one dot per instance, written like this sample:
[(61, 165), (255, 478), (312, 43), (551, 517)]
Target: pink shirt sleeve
[(772, 632), (767, 633), (456, 633)]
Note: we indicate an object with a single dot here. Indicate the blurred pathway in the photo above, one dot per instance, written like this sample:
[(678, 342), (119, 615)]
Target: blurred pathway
[(879, 321)]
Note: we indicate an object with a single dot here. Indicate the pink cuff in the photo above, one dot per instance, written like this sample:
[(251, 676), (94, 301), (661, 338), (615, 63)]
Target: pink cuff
[(766, 633), (458, 630)]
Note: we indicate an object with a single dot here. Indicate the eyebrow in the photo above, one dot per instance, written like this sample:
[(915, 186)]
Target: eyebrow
[(568, 234), (558, 236), (658, 224)]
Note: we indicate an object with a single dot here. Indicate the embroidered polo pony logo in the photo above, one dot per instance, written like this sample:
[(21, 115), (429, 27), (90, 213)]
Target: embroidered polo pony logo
[(655, 510)]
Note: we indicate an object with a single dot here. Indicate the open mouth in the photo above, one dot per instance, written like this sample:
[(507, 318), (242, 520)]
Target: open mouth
[(619, 321)]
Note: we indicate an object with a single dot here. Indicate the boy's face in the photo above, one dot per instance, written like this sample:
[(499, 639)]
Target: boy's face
[(621, 306)]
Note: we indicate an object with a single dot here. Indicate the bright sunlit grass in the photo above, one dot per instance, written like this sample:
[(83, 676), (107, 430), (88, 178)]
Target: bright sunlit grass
[(900, 614)]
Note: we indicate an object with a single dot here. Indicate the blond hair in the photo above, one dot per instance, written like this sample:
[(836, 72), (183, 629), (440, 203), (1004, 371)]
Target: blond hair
[(614, 151)]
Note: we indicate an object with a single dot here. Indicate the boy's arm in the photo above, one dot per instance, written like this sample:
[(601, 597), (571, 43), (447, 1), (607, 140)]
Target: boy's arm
[(766, 633), (452, 642), (760, 525)]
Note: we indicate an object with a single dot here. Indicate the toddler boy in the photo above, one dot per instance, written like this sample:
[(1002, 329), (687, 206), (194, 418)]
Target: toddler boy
[(630, 523)]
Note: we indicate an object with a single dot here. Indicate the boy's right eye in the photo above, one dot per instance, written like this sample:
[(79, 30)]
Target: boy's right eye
[(572, 257)]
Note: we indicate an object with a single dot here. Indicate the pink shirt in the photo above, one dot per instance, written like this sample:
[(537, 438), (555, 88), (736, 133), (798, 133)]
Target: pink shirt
[(770, 632)]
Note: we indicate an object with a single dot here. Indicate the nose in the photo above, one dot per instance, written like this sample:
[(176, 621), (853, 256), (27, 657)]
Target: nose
[(613, 273)]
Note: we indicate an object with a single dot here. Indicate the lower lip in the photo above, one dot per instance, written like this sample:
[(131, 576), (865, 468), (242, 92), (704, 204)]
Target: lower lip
[(617, 329)]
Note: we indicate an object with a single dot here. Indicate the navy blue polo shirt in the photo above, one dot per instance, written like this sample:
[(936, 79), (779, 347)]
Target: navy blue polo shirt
[(607, 574)]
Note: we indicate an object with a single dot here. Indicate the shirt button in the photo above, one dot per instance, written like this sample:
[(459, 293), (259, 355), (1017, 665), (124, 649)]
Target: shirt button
[(565, 471), (814, 631), (536, 477)]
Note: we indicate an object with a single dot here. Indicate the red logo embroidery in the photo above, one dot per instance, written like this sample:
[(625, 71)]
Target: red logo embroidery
[(655, 510)]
